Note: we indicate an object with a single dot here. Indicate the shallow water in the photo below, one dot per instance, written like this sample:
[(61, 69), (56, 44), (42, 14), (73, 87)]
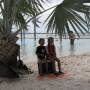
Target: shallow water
[(28, 48)]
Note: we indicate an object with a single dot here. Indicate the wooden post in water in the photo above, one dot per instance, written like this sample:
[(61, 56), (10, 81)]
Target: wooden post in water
[(34, 21)]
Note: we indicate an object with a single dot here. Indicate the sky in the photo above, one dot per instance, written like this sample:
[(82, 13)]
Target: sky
[(43, 16), (42, 29)]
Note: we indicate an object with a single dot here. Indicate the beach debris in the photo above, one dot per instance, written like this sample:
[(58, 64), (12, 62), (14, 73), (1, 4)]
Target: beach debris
[(22, 66)]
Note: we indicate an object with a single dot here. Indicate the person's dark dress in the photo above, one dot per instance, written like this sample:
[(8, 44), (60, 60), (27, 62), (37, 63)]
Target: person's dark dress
[(41, 54)]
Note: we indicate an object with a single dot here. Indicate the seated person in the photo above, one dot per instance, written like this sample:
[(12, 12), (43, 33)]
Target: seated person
[(51, 55)]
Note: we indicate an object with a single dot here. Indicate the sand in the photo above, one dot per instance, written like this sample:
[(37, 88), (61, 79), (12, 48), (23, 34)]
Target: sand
[(76, 67)]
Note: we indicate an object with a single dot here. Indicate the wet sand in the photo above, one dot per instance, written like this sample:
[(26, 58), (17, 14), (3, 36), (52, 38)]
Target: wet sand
[(76, 67)]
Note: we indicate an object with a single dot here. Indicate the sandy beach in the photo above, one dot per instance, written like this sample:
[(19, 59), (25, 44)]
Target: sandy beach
[(76, 67)]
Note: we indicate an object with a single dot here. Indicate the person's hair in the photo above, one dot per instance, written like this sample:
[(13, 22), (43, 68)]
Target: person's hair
[(50, 38), (41, 39)]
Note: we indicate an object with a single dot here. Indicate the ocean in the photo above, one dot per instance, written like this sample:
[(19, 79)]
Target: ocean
[(28, 47)]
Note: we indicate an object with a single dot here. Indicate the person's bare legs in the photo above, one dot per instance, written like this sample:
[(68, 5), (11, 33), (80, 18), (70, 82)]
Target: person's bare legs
[(40, 68), (59, 65)]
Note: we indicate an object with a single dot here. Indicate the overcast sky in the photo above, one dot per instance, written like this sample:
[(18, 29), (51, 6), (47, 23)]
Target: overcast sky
[(43, 16)]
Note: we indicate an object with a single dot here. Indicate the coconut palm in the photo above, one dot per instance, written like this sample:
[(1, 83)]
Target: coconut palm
[(14, 12), (67, 15)]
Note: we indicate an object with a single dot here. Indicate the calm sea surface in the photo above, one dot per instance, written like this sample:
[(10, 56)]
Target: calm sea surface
[(28, 48)]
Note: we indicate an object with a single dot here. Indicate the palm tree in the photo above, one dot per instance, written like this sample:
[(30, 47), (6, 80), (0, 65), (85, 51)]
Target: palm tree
[(67, 15), (64, 15), (14, 12)]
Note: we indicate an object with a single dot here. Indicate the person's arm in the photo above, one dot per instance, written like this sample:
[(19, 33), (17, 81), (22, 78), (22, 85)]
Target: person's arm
[(47, 53), (54, 51), (38, 54), (37, 51)]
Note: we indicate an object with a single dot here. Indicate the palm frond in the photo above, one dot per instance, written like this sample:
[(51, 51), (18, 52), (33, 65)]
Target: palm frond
[(15, 11), (67, 15)]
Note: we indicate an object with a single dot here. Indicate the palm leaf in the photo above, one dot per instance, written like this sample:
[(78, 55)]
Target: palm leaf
[(14, 12), (68, 14)]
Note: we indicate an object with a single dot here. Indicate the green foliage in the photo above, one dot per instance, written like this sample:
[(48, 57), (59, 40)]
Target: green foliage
[(63, 17), (67, 15), (14, 12)]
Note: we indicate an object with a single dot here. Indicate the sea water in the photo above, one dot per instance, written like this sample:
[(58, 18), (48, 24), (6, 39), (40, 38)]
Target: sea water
[(28, 47)]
